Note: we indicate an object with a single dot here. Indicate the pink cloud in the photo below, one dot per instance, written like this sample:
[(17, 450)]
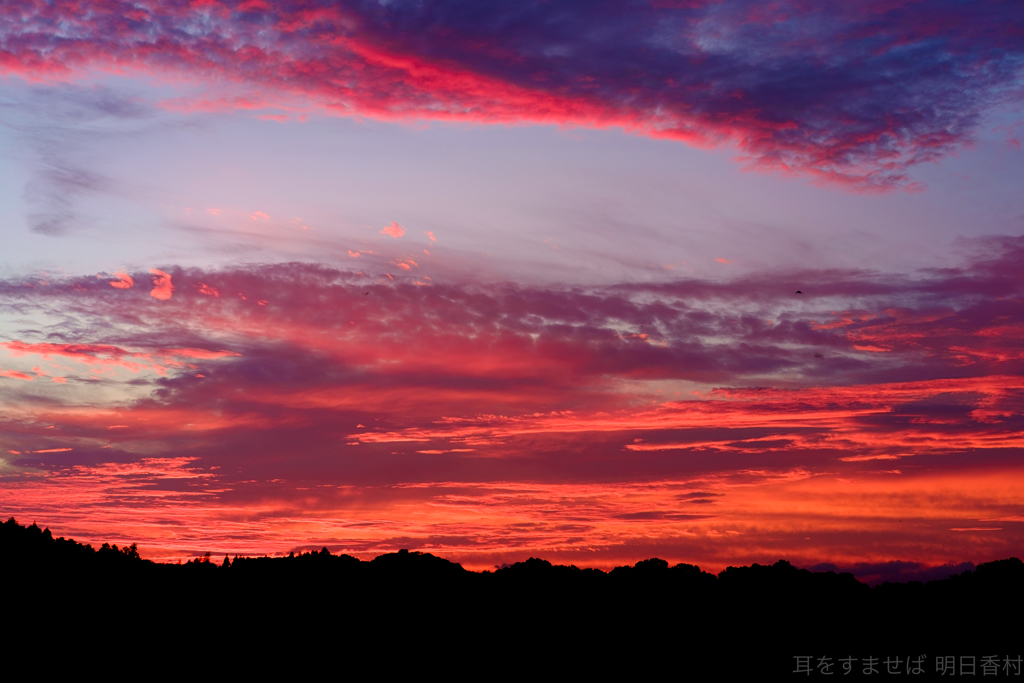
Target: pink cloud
[(19, 348), (393, 229), (107, 355), (430, 235), (208, 290), (123, 281), (162, 287)]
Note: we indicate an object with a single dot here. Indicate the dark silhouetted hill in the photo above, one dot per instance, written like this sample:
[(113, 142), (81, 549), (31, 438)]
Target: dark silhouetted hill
[(413, 608)]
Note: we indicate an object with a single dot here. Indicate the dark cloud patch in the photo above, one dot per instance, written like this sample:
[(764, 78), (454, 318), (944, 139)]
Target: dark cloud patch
[(657, 514), (896, 571), (856, 95)]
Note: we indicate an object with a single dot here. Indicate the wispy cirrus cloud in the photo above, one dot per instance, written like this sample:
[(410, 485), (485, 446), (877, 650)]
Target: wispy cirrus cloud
[(854, 95), (67, 129)]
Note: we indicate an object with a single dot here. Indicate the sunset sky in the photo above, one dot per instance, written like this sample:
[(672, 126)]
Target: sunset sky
[(716, 282)]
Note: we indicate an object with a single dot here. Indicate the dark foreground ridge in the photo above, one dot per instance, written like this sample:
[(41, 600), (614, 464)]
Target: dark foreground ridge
[(410, 604)]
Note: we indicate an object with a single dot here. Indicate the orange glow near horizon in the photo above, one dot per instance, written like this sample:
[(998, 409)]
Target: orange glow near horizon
[(713, 521), (863, 491)]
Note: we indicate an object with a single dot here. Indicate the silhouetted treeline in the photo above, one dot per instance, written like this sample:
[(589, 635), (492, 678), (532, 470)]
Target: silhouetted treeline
[(415, 604)]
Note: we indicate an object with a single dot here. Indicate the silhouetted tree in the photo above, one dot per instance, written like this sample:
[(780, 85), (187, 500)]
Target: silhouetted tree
[(531, 608)]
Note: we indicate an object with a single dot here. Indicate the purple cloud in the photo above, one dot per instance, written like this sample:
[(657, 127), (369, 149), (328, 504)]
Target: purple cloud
[(854, 95)]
